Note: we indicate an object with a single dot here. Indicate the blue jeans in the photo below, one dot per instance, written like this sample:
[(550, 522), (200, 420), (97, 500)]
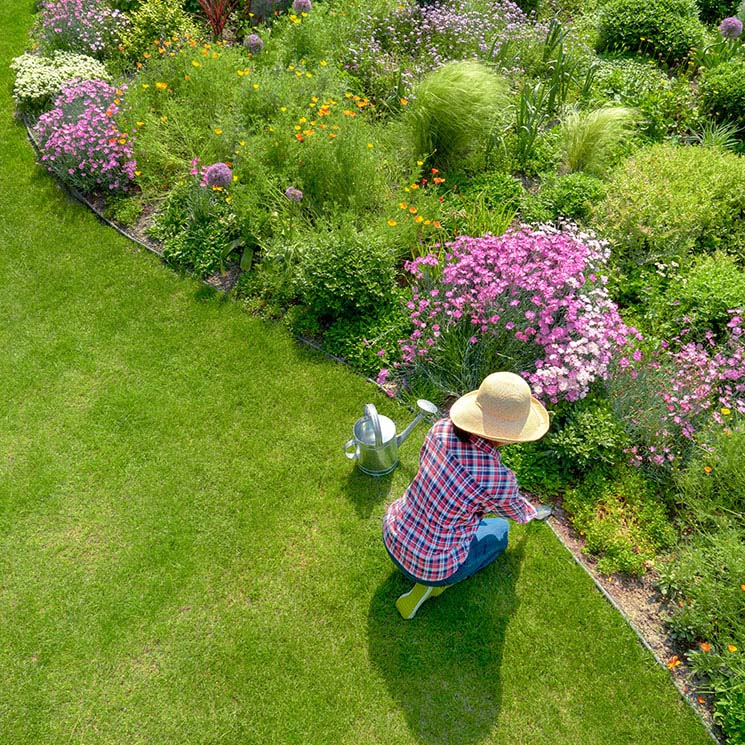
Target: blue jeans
[(488, 543)]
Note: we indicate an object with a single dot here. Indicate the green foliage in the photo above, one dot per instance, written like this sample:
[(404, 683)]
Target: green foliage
[(702, 295), (361, 341), (197, 228), (621, 520), (453, 110), (496, 188), (712, 487), (702, 584), (590, 438), (722, 93), (668, 201), (124, 210), (155, 20), (667, 30), (712, 11), (591, 140), (343, 274), (665, 104), (192, 117), (571, 196)]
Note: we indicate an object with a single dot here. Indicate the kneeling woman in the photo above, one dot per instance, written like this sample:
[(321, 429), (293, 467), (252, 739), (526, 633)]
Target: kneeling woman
[(436, 533)]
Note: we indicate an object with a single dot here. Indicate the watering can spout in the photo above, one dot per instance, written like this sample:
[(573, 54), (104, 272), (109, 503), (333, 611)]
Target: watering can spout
[(425, 407)]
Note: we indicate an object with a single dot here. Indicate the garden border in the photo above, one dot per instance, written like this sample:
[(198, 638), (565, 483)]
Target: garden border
[(578, 559)]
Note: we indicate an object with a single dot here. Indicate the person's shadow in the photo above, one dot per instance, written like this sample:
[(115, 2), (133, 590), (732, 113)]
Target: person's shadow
[(443, 667)]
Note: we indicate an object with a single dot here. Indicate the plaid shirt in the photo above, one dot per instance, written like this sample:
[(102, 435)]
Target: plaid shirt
[(429, 529)]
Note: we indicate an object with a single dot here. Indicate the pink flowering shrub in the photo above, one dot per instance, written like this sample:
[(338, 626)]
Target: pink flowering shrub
[(668, 398), (80, 142), (533, 301), (89, 27)]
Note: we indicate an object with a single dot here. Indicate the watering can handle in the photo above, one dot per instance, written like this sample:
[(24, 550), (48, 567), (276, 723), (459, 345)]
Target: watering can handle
[(352, 454), (372, 413)]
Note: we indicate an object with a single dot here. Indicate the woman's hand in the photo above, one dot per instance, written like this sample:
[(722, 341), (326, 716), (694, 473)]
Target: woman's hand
[(543, 511)]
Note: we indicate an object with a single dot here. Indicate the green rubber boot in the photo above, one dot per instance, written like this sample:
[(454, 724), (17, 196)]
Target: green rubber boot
[(409, 603)]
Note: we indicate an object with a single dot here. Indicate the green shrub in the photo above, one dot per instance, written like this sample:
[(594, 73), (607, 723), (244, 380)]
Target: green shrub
[(571, 196), (364, 340), (667, 30), (39, 79), (668, 201), (198, 229), (712, 11), (344, 274), (665, 104), (722, 93), (453, 111), (498, 189), (591, 140), (591, 437), (712, 487), (703, 583), (155, 20), (621, 520), (702, 295)]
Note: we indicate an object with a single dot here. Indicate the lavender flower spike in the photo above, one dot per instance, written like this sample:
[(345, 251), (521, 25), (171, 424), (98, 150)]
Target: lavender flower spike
[(730, 28)]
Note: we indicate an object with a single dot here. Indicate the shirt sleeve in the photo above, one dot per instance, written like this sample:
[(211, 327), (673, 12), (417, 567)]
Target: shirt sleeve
[(507, 501)]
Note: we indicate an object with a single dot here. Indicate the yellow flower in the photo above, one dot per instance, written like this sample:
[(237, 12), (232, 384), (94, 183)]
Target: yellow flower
[(137, 173), (725, 411), (145, 86), (732, 648), (302, 120), (369, 144), (413, 210), (256, 86), (242, 143), (420, 162), (164, 118), (196, 63), (418, 218), (323, 63), (308, 75), (392, 223), (139, 124), (402, 205), (707, 469), (218, 131), (235, 178), (404, 101), (161, 86)]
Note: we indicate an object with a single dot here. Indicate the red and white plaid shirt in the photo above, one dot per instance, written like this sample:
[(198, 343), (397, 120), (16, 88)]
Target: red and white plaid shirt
[(429, 529)]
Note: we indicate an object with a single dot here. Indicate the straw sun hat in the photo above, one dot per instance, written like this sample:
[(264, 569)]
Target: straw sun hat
[(501, 409)]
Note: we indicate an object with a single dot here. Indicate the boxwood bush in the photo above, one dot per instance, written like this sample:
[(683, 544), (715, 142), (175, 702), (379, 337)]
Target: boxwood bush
[(667, 30), (669, 202), (722, 93)]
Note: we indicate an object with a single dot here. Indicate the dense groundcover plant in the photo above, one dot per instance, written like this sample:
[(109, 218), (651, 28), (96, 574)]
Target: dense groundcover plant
[(539, 293), (39, 79), (80, 142), (86, 26)]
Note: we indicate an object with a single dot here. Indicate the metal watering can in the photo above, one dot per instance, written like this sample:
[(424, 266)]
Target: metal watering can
[(375, 443)]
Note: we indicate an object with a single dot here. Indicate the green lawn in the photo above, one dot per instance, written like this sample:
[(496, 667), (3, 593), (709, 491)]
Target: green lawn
[(186, 556)]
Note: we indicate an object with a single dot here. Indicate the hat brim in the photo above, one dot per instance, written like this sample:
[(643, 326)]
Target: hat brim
[(466, 414)]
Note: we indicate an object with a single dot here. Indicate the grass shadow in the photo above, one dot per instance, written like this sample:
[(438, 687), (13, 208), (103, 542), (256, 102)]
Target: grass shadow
[(444, 666)]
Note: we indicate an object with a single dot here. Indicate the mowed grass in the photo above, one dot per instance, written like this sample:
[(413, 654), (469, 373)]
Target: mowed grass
[(187, 557)]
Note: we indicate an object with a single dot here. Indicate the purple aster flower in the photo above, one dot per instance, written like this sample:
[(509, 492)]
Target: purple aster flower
[(730, 28), (254, 43), (218, 174), (294, 194), (301, 6)]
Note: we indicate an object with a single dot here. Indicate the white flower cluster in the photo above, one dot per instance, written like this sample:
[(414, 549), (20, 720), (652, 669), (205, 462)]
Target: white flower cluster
[(40, 79)]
